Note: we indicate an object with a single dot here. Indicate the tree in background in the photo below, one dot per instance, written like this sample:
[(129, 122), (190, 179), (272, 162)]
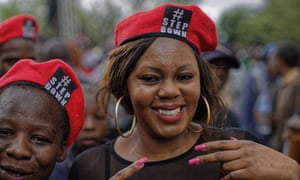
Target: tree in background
[(277, 20)]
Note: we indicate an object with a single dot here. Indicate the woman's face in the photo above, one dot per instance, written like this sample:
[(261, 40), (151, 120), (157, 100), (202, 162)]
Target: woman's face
[(30, 134), (164, 88)]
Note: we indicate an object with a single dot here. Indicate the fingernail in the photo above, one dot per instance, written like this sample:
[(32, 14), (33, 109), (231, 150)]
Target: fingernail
[(194, 161), (233, 138), (141, 161), (200, 147), (221, 179)]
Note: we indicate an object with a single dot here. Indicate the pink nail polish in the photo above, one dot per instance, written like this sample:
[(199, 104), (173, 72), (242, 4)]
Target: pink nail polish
[(141, 161), (200, 147), (233, 138), (194, 161)]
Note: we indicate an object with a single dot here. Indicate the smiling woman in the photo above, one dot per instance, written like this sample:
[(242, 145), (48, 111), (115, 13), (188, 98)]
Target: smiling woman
[(158, 76)]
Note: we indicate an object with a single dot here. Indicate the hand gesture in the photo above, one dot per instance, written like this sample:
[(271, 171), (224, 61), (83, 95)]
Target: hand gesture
[(129, 170), (242, 159)]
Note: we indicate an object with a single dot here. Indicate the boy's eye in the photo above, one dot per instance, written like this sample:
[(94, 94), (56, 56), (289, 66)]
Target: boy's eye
[(99, 117), (6, 132), (40, 140)]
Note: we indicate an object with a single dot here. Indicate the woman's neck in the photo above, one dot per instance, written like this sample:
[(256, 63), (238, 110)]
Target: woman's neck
[(142, 144)]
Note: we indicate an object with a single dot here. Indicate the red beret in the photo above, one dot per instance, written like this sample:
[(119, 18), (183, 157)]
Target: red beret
[(59, 80), (19, 26), (184, 22)]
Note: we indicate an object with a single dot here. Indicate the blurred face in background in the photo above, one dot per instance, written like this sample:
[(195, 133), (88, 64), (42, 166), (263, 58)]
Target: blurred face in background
[(14, 50), (221, 68), (95, 126), (273, 65)]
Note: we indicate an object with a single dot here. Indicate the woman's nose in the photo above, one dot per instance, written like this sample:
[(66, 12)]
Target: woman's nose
[(169, 89)]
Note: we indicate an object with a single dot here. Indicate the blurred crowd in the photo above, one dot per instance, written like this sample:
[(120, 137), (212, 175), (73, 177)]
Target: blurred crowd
[(260, 86)]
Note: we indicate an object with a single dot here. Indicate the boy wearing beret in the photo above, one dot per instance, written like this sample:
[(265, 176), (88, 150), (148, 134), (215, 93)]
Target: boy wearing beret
[(41, 113)]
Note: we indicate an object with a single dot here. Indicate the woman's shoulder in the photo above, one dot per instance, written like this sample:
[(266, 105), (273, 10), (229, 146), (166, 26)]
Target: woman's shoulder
[(213, 133)]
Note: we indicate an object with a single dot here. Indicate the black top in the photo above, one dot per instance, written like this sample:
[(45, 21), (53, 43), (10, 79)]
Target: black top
[(102, 162)]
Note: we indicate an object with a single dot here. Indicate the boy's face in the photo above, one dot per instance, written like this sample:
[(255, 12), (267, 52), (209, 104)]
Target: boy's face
[(95, 126), (30, 138)]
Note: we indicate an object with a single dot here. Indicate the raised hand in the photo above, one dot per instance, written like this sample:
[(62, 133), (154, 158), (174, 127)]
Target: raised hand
[(242, 159)]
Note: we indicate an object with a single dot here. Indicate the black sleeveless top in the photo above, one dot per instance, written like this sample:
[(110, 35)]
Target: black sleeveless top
[(102, 162)]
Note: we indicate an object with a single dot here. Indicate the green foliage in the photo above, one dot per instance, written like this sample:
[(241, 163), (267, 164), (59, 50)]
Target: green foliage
[(277, 20)]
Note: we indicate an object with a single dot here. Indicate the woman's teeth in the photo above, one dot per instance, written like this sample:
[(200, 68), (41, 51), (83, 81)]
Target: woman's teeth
[(169, 112)]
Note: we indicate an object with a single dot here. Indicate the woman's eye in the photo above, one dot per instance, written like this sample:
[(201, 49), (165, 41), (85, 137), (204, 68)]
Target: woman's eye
[(185, 77), (150, 78), (5, 133)]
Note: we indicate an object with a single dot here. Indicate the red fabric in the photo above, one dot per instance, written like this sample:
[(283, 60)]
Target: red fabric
[(44, 72), (200, 33), (19, 26)]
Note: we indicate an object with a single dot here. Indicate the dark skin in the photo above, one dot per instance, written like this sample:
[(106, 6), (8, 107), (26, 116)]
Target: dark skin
[(14, 50), (241, 159), (163, 90), (95, 126), (31, 139), (221, 68)]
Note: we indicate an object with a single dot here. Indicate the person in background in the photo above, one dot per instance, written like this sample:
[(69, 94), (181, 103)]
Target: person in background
[(156, 73), (256, 97), (41, 113), (18, 36), (68, 52), (222, 60), (293, 136), (284, 63), (93, 133)]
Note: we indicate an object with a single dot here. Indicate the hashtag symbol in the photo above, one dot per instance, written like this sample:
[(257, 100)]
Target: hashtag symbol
[(178, 14), (65, 81)]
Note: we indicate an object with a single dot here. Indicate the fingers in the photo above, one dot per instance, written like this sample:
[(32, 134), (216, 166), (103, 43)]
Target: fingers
[(222, 151), (221, 145), (233, 165), (238, 174), (130, 170), (219, 156)]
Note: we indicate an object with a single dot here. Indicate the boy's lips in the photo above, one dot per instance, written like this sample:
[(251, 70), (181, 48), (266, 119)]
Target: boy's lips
[(15, 173), (88, 142)]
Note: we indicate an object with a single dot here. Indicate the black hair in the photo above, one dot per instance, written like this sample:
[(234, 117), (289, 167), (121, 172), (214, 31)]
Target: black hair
[(288, 53)]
